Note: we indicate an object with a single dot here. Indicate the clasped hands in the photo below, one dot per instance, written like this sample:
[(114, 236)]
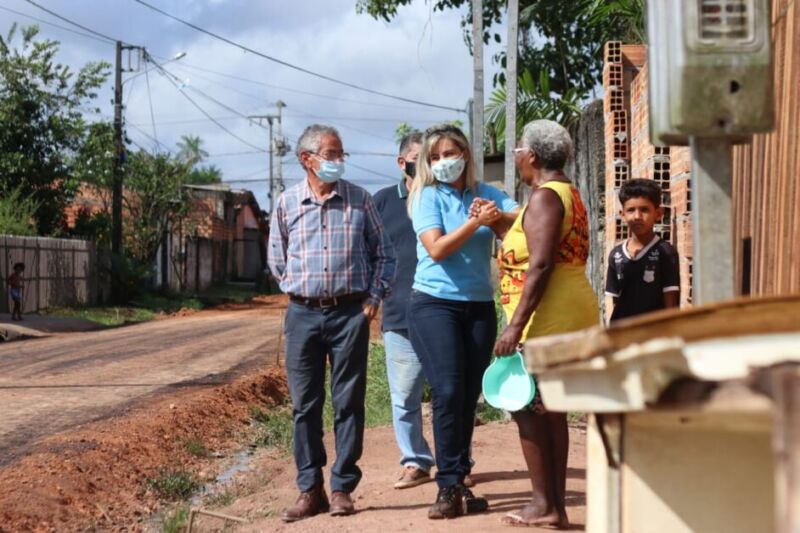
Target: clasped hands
[(485, 211)]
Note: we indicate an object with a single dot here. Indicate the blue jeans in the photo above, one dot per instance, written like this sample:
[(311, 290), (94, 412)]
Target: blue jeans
[(312, 336), (454, 341), (406, 379)]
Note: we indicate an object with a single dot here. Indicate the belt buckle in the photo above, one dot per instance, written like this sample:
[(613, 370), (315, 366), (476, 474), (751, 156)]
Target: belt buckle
[(333, 302)]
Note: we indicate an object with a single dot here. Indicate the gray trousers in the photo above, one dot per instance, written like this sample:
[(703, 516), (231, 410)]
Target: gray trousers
[(312, 336)]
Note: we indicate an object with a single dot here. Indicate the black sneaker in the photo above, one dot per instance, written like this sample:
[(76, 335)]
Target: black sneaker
[(450, 503), (472, 503)]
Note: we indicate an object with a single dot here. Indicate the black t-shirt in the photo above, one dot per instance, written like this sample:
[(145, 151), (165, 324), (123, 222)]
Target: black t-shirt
[(391, 204), (638, 283)]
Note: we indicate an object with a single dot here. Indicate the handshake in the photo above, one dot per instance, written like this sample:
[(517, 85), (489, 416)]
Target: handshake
[(485, 211)]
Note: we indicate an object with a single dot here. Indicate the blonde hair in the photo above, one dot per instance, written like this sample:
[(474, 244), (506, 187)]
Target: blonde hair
[(424, 176)]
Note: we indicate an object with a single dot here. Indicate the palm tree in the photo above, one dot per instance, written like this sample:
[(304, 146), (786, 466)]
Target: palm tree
[(534, 101), (190, 150)]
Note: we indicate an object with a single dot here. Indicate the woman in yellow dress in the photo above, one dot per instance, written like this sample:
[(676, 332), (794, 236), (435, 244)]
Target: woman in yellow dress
[(544, 291)]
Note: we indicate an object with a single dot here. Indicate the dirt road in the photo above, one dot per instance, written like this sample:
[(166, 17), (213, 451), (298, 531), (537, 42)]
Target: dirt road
[(499, 472), (48, 385)]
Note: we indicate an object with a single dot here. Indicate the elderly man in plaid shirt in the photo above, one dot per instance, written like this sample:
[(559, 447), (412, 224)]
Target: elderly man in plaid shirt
[(331, 255)]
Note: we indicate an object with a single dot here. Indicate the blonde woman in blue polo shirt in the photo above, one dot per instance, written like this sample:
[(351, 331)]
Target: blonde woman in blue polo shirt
[(451, 316)]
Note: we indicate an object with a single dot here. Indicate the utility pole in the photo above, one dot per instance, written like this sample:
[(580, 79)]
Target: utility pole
[(277, 146), (119, 154), (271, 182), (281, 146), (477, 105), (511, 98)]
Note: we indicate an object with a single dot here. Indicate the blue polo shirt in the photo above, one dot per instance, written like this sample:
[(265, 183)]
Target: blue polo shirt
[(391, 204), (466, 274)]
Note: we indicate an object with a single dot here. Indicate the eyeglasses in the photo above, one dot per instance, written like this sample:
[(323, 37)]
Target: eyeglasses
[(332, 156)]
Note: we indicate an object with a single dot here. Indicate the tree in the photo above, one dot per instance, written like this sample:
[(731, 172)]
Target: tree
[(402, 130), (560, 40), (16, 212), (190, 150), (42, 124), (205, 175), (534, 101), (154, 198)]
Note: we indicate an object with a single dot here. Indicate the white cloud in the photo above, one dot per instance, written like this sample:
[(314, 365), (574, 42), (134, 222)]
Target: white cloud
[(419, 55)]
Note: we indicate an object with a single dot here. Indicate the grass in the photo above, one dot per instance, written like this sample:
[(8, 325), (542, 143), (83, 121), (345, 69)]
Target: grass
[(147, 305), (174, 485), (176, 521), (274, 427), (196, 448), (222, 499)]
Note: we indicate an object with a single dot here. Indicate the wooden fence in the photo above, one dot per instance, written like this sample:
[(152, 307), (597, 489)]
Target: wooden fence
[(767, 176), (57, 272)]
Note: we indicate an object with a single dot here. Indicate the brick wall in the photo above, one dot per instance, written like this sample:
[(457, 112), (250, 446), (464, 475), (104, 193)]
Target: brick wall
[(630, 154)]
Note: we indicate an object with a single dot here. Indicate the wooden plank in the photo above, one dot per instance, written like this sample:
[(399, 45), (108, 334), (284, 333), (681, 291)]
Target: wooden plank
[(744, 316)]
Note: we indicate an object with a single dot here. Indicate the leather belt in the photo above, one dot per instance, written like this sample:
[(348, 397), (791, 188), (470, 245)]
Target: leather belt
[(325, 303)]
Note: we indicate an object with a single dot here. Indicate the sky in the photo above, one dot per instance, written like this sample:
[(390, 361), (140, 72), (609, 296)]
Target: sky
[(420, 55)]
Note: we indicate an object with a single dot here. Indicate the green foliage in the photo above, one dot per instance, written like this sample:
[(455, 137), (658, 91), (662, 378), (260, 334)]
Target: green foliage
[(176, 522), (16, 212), (196, 447), (402, 130), (534, 101), (190, 150), (93, 226), (93, 164), (174, 485), (628, 17), (42, 124), (205, 175), (129, 274), (154, 199), (486, 413), (560, 41), (274, 427), (106, 316)]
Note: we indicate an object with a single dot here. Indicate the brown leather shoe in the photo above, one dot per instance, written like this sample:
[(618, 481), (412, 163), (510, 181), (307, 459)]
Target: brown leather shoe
[(308, 504), (341, 504)]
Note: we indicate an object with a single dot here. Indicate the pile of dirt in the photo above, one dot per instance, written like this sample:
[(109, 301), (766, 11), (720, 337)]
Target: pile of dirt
[(97, 476)]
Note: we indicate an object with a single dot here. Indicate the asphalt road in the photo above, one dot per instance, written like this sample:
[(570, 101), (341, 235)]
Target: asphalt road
[(52, 384)]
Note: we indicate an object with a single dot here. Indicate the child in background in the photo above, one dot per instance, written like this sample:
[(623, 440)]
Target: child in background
[(643, 272), (15, 283)]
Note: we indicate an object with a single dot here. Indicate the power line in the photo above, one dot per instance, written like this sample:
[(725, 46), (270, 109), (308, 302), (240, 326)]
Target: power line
[(290, 65), (68, 21), (289, 89), (170, 77), (150, 100), (48, 23)]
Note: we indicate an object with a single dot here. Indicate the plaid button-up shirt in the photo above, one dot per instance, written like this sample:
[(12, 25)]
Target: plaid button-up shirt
[(320, 249)]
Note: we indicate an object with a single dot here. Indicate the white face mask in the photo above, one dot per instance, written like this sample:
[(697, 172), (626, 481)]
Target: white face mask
[(448, 170)]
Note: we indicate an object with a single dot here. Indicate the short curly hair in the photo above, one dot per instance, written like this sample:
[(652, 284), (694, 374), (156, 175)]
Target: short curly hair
[(640, 188)]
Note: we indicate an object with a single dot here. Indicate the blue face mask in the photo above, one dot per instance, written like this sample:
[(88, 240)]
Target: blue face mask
[(329, 171), (448, 170)]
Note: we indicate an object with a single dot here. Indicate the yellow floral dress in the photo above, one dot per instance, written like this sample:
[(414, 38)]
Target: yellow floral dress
[(569, 303)]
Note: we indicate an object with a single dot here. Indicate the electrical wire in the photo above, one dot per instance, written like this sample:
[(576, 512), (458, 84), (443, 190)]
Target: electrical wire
[(150, 100), (68, 21), (170, 77), (290, 65), (288, 89), (64, 28)]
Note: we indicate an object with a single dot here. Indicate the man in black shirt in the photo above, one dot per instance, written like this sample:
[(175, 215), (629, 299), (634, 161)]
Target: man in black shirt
[(643, 271), (403, 367)]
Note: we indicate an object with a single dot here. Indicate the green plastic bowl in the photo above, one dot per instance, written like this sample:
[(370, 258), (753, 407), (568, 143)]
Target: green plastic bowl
[(507, 384)]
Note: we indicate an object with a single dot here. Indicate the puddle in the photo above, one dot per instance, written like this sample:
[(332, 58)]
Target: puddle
[(241, 463)]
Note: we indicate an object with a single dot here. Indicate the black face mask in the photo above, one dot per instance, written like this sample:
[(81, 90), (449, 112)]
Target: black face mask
[(411, 168)]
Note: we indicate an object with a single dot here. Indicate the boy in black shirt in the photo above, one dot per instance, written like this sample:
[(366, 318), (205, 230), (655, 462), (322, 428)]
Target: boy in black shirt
[(643, 272)]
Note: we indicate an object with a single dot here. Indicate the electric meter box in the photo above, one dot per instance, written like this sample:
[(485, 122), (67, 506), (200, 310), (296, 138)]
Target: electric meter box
[(709, 68)]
